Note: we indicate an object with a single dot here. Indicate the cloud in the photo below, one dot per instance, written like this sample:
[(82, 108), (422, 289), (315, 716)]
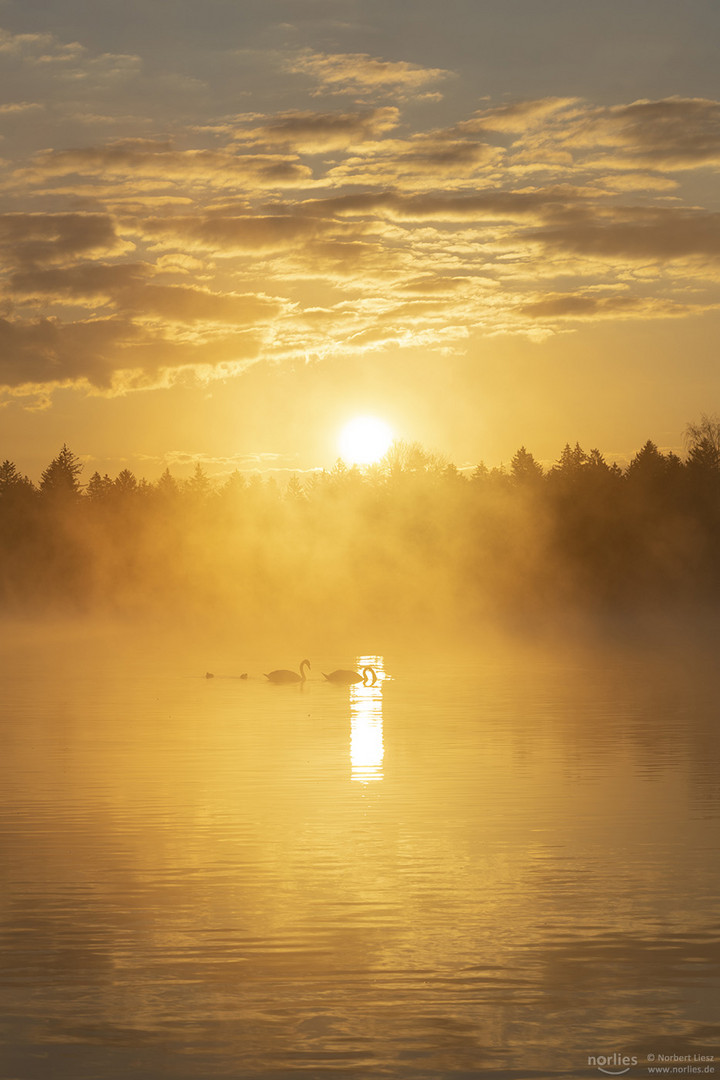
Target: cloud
[(577, 306), (20, 108), (46, 54), (492, 204), (417, 163), (310, 233), (46, 352), (112, 355), (235, 233), (212, 168), (672, 133), (87, 281), (129, 288), (666, 134), (33, 45), (359, 73), (637, 233), (38, 239), (518, 117), (185, 304), (636, 181), (313, 132), (226, 465), (433, 284)]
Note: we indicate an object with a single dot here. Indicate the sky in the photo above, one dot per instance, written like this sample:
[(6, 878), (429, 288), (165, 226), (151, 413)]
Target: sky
[(228, 227)]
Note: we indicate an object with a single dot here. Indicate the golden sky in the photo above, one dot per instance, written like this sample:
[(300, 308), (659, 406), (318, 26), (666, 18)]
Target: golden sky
[(228, 228)]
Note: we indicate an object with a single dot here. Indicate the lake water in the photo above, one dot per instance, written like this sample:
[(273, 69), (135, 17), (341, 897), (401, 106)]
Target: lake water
[(495, 865)]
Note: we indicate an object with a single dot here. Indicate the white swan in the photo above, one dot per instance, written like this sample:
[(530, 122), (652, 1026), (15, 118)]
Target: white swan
[(347, 678), (282, 675)]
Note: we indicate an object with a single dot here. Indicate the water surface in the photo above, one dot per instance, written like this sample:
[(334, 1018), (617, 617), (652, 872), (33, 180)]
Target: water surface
[(493, 865)]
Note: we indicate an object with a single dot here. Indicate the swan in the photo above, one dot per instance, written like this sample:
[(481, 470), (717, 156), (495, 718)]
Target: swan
[(346, 678), (282, 675)]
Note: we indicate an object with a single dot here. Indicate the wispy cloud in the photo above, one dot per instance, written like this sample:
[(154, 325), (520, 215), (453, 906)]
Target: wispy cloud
[(367, 76), (211, 168)]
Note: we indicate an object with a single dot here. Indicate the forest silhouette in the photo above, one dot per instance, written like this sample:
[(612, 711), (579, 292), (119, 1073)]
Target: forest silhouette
[(410, 541)]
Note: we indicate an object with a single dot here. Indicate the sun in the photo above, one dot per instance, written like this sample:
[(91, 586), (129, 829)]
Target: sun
[(364, 440)]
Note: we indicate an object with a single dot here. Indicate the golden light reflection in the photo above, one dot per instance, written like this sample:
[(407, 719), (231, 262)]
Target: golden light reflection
[(366, 724)]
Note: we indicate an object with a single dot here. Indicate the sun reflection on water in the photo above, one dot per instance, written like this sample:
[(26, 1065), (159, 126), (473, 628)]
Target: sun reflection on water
[(366, 724)]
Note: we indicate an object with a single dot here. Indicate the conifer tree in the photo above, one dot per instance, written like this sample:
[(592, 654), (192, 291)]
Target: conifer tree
[(60, 479)]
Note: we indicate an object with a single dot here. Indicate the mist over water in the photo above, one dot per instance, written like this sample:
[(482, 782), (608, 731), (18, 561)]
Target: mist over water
[(496, 861)]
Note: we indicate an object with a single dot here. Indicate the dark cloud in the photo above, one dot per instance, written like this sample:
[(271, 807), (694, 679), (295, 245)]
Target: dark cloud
[(48, 352), (642, 233), (678, 133), (108, 354), (38, 239), (491, 204), (417, 163), (81, 282)]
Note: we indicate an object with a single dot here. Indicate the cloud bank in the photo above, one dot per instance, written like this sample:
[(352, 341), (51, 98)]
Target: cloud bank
[(354, 226)]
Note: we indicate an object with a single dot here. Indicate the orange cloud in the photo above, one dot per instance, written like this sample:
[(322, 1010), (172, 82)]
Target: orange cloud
[(236, 233), (491, 204), (359, 73), (400, 237), (214, 168), (519, 117), (184, 304), (313, 132)]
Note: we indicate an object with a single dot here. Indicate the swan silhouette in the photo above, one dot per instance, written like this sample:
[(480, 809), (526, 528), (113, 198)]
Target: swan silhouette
[(282, 675), (347, 678)]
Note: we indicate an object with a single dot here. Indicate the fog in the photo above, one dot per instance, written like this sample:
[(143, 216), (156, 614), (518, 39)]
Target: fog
[(410, 552)]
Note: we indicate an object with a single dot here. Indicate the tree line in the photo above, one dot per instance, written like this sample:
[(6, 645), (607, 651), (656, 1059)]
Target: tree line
[(411, 538)]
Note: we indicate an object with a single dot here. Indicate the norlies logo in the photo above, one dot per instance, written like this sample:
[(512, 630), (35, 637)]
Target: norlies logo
[(613, 1064)]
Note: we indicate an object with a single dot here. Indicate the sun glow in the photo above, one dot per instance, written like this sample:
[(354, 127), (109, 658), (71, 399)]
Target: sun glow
[(364, 440)]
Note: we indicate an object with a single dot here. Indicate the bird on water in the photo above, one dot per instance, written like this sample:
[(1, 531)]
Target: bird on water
[(282, 675), (347, 678)]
